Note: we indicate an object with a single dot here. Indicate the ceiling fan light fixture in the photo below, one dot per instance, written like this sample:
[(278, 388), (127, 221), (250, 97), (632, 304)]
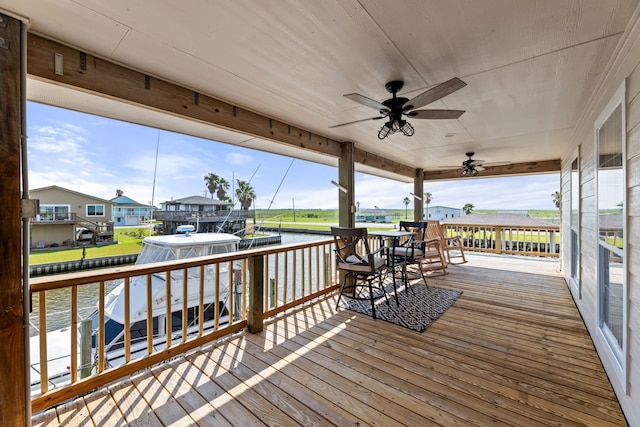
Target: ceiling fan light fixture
[(407, 129), (385, 131)]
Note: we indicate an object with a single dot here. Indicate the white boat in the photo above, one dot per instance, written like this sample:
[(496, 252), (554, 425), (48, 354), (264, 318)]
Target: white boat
[(155, 249)]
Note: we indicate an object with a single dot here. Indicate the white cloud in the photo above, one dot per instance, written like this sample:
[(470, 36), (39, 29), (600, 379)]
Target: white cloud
[(238, 159)]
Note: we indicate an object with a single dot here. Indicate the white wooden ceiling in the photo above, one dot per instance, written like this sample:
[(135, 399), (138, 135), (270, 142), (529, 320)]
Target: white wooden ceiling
[(530, 65)]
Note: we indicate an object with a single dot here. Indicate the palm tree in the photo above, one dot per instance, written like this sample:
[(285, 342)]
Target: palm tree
[(245, 194), (211, 181), (427, 200), (557, 198), (119, 192), (406, 202), (223, 186), (467, 208)]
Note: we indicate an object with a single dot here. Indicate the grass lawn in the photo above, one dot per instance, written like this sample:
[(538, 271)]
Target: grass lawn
[(129, 242)]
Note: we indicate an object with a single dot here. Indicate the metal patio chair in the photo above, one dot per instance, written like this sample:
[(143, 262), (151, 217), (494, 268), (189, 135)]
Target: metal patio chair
[(360, 266)]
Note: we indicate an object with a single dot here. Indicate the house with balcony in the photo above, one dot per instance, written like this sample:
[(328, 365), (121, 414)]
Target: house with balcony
[(62, 211), (397, 90), (126, 211), (205, 214)]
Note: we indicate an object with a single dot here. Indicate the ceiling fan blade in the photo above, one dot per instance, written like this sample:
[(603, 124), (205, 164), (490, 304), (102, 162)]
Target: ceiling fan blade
[(366, 101), (435, 114), (357, 121), (477, 163), (435, 93)]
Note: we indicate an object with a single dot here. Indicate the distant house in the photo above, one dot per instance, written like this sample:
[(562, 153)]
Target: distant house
[(195, 204), (207, 215), (62, 211), (373, 215), (440, 213), (126, 211)]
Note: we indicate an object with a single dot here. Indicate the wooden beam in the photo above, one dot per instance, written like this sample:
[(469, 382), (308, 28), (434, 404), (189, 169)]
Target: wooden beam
[(94, 75), (378, 162), (527, 168), (12, 351)]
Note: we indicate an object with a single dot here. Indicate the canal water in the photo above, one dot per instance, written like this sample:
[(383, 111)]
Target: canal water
[(59, 301)]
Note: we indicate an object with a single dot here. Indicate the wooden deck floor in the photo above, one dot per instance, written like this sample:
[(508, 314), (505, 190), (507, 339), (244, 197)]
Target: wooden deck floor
[(512, 351)]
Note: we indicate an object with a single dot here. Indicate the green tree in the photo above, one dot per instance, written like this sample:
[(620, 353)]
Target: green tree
[(427, 200), (406, 202), (467, 208), (223, 186), (245, 194), (119, 192), (557, 198), (211, 181)]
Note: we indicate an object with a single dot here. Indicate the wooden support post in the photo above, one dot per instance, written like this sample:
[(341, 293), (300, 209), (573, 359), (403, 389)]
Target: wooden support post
[(498, 231), (418, 190), (256, 294), (346, 176), (13, 410)]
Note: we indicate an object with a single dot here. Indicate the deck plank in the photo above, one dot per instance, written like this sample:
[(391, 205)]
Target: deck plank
[(161, 401), (104, 410), (512, 350), (74, 413), (181, 389)]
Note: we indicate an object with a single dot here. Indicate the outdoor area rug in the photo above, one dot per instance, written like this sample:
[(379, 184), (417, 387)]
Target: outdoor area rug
[(416, 312)]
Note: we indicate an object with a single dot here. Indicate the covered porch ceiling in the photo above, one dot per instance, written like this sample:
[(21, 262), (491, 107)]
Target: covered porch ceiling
[(531, 69)]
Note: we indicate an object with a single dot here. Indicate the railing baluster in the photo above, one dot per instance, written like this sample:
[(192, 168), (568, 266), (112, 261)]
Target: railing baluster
[(230, 291), (302, 273), (167, 321), (201, 302), (266, 279), (101, 353), (285, 286), (216, 298), (127, 320), (42, 325), (294, 276), (185, 300), (276, 269), (74, 334), (149, 315)]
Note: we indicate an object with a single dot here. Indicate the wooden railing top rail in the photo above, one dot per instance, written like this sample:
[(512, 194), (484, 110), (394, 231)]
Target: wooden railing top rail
[(523, 226)]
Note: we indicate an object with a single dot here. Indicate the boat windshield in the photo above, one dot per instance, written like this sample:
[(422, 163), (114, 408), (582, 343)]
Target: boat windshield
[(158, 253)]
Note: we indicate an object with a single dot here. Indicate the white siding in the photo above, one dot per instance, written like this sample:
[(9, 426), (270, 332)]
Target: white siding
[(625, 65)]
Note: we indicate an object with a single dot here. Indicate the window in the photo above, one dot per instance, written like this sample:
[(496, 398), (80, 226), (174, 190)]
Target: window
[(95, 210), (574, 224), (611, 234), (55, 213)]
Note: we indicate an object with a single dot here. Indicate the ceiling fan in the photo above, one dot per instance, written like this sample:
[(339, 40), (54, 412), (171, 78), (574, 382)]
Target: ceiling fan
[(471, 167), (396, 107)]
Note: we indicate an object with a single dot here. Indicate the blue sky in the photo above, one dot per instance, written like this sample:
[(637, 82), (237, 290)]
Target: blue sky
[(95, 155)]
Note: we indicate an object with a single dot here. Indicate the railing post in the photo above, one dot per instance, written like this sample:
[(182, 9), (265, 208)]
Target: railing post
[(498, 232), (256, 294), (552, 242), (85, 348)]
